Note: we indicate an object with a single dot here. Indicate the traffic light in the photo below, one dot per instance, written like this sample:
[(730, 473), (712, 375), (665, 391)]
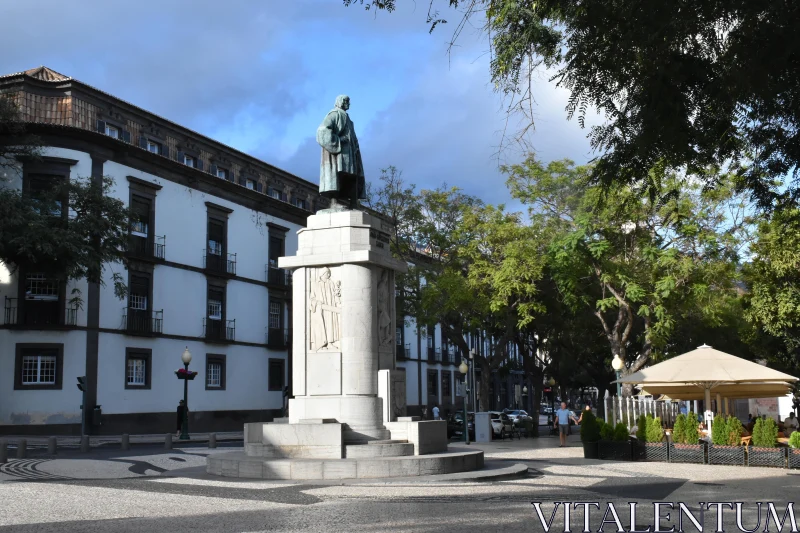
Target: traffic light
[(82, 383)]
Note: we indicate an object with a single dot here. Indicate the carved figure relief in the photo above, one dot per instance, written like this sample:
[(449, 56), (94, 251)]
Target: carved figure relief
[(385, 332), (325, 310)]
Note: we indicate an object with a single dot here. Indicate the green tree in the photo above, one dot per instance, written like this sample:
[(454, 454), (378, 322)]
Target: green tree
[(735, 429), (679, 429), (655, 432), (621, 432), (641, 265), (687, 86), (691, 433), (719, 430), (641, 428)]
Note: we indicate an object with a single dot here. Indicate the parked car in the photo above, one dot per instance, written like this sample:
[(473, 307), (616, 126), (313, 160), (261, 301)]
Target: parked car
[(455, 425), (518, 416), (502, 425)]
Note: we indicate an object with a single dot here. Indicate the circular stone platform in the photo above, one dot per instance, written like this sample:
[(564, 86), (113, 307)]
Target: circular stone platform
[(237, 464)]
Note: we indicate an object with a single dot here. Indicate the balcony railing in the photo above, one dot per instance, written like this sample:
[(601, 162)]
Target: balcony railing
[(219, 330), (38, 313), (142, 321), (431, 355), (220, 263), (139, 246), (277, 337), (277, 276)]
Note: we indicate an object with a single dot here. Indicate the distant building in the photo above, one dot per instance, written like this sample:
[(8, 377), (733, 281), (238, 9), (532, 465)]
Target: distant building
[(211, 223)]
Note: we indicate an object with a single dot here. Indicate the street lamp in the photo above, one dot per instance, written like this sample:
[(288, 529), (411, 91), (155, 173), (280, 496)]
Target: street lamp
[(464, 369), (552, 384), (525, 397), (186, 357), (617, 363), (472, 379)]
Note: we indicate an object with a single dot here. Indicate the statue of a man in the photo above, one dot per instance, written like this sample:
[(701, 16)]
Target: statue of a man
[(341, 173)]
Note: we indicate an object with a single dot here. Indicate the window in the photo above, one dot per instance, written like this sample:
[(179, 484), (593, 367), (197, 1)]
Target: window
[(279, 195), (215, 309), (276, 371), (137, 368), (250, 184), (222, 173), (433, 383), (275, 309), (446, 383), (398, 336), (153, 147), (38, 366), (215, 371), (216, 237), (112, 131), (40, 188), (139, 291), (188, 161), (40, 287), (300, 202), (140, 221)]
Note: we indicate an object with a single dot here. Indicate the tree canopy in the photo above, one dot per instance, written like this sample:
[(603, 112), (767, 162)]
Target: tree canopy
[(699, 86)]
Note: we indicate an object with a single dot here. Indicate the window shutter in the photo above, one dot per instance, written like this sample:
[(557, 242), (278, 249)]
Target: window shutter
[(101, 126), (165, 150), (142, 142), (199, 164), (126, 136), (242, 181), (179, 156), (259, 187), (230, 176), (269, 191), (213, 169)]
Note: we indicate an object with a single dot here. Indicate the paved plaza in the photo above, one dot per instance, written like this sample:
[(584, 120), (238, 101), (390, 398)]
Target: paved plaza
[(147, 488)]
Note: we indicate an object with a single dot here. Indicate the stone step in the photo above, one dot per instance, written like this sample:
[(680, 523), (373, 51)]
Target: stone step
[(364, 451), (388, 441)]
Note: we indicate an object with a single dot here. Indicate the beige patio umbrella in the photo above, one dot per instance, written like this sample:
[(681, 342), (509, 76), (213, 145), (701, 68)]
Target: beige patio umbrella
[(695, 374)]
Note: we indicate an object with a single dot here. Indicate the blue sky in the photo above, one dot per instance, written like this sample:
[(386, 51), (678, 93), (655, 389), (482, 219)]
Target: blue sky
[(261, 75)]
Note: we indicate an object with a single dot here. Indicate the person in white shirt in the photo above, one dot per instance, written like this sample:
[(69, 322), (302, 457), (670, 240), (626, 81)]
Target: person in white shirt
[(436, 412), (791, 424)]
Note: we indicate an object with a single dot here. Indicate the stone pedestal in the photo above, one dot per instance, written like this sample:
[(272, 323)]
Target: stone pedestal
[(344, 321)]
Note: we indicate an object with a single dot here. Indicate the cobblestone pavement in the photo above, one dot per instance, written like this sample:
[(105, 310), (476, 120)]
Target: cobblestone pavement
[(157, 489)]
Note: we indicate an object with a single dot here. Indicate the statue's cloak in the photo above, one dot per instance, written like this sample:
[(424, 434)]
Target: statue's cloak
[(340, 153)]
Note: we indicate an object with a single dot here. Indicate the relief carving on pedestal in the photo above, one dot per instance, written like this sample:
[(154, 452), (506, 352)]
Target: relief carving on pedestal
[(325, 310), (385, 333)]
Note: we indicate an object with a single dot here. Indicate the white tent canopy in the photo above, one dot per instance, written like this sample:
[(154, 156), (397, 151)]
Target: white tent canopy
[(695, 374)]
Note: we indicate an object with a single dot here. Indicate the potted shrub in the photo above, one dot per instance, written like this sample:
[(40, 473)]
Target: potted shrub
[(590, 435), (794, 450), (726, 437), (679, 429), (655, 448), (763, 451), (614, 442), (687, 449)]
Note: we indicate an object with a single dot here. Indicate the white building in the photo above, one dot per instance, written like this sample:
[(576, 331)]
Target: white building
[(201, 274)]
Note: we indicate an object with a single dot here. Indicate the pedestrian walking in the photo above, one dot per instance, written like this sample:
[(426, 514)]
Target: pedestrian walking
[(436, 412), (183, 411), (563, 416)]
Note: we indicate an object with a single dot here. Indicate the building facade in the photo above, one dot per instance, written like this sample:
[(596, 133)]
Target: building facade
[(209, 224)]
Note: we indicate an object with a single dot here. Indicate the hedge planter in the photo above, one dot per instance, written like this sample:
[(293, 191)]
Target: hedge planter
[(615, 450), (794, 457), (651, 451), (687, 453), (766, 457), (590, 450), (727, 455)]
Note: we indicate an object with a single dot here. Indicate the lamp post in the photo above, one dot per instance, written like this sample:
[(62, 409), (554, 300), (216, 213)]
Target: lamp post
[(186, 357), (472, 379), (525, 397), (464, 369), (552, 384), (617, 363)]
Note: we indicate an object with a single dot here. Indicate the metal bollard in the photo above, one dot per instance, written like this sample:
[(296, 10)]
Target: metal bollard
[(22, 448), (212, 440), (168, 441), (52, 446), (125, 443), (3, 452), (85, 443)]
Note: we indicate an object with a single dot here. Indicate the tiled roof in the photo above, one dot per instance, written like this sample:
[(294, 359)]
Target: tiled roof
[(45, 74)]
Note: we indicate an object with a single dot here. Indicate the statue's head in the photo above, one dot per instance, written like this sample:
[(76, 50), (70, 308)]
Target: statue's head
[(326, 274), (343, 102)]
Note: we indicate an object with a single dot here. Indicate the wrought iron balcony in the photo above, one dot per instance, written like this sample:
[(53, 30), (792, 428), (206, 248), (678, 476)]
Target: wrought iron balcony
[(219, 263), (277, 276), (140, 246), (142, 321), (38, 313), (277, 337), (219, 330)]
